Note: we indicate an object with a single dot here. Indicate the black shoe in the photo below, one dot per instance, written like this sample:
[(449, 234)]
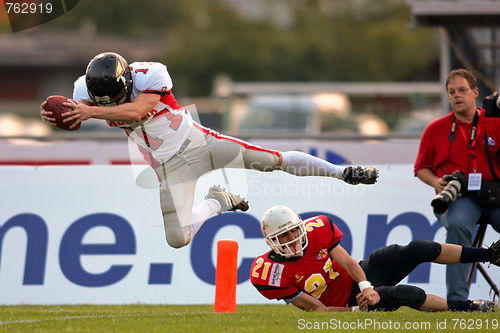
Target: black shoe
[(227, 200), (495, 253), (483, 306), (359, 175)]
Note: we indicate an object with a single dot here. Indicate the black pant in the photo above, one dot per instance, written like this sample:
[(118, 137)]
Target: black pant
[(387, 266)]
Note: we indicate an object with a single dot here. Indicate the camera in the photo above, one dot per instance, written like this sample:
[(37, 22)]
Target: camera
[(456, 182), (491, 105)]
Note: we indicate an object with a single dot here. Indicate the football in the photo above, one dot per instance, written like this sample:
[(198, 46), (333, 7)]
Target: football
[(55, 105)]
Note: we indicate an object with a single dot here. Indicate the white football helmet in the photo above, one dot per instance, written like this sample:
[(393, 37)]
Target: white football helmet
[(278, 220)]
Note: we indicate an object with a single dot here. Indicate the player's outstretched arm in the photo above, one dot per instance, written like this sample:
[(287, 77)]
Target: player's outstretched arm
[(367, 296), (340, 255), (132, 111), (308, 303)]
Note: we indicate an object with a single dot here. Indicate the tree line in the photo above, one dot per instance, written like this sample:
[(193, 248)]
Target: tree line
[(342, 40)]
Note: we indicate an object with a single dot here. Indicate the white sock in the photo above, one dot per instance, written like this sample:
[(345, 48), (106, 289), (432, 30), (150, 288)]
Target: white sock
[(203, 212), (301, 164)]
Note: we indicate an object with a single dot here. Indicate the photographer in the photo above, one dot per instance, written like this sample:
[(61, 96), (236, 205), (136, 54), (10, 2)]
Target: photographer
[(462, 147)]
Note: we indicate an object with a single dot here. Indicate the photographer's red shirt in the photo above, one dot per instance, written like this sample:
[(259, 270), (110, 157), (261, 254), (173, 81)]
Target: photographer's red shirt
[(436, 154)]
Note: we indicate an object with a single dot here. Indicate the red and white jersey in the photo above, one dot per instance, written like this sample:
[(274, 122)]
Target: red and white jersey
[(315, 273), (161, 132)]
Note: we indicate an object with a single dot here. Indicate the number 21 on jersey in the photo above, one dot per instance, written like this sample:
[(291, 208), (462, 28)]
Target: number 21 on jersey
[(265, 270)]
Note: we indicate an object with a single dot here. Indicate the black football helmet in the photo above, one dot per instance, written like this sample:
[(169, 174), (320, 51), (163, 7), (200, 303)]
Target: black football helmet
[(108, 78)]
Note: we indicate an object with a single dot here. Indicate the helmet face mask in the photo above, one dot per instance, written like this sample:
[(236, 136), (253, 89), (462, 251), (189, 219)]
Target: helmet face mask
[(108, 79), (278, 221)]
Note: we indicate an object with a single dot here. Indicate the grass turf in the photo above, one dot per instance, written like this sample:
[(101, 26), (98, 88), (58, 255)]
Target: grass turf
[(248, 318)]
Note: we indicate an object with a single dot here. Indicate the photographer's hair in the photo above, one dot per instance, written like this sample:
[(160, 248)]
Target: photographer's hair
[(466, 74)]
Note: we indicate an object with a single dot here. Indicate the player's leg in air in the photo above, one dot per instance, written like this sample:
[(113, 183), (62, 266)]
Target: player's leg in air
[(178, 177), (387, 266), (225, 148), (209, 150), (181, 220)]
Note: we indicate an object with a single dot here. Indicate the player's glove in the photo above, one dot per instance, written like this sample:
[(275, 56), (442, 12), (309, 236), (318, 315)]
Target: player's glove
[(359, 175), (491, 105)]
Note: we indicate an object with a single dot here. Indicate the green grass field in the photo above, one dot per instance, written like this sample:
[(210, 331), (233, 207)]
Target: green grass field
[(248, 318)]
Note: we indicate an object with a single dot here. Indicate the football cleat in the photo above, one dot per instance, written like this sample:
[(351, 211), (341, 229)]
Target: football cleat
[(483, 306), (228, 201), (495, 253), (359, 175)]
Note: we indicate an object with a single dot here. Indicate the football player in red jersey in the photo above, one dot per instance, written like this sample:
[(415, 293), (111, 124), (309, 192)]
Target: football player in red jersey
[(308, 268), (138, 98)]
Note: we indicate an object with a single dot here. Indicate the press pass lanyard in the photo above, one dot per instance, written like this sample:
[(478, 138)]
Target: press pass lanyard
[(476, 177)]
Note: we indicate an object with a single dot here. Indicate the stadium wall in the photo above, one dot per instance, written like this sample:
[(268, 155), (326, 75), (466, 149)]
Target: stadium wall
[(94, 234), (118, 152)]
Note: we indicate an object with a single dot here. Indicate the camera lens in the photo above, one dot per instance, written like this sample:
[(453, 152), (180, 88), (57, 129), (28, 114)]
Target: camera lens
[(442, 201)]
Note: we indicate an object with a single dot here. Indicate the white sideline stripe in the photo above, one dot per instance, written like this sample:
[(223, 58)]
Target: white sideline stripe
[(24, 321)]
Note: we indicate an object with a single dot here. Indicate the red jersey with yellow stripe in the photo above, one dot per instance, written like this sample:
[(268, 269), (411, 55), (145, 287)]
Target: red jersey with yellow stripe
[(315, 273)]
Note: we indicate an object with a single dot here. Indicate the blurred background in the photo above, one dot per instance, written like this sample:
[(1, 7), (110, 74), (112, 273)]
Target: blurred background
[(282, 69), (349, 81)]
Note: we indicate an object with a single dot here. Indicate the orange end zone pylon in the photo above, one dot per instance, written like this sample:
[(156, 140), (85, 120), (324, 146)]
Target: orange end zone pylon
[(226, 276)]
